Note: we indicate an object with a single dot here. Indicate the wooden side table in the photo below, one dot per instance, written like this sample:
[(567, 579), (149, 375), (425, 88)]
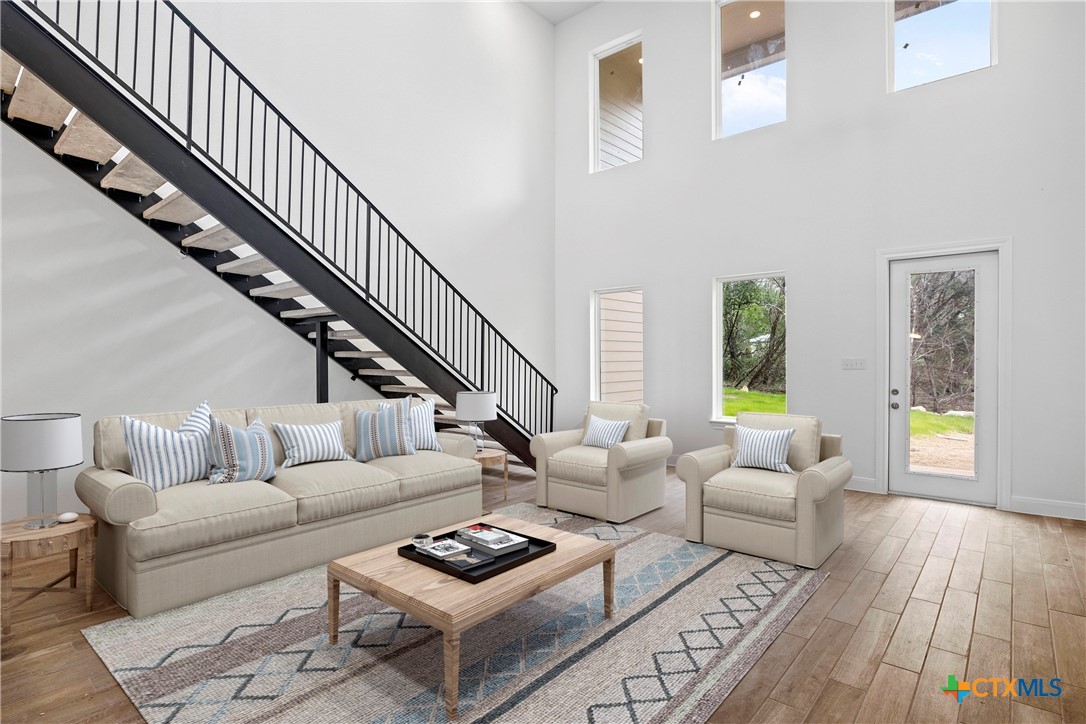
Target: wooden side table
[(18, 541), (495, 457)]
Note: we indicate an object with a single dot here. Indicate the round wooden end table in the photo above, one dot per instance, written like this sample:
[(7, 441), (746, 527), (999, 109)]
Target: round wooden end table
[(495, 457), (18, 541)]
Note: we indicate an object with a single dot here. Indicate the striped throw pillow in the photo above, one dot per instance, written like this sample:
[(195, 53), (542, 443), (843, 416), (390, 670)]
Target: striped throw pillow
[(238, 454), (765, 449), (162, 458), (311, 443), (604, 433), (384, 433), (420, 426)]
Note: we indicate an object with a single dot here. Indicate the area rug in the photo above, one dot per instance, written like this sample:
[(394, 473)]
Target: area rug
[(690, 622)]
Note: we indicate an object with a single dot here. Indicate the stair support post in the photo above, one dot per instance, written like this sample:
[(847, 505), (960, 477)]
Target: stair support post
[(321, 340)]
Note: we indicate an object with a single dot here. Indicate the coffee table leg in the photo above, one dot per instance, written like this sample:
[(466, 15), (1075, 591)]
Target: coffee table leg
[(452, 673), (609, 586), (333, 609)]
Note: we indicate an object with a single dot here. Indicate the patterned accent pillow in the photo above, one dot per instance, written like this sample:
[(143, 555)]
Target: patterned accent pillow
[(163, 458), (420, 426), (765, 449), (238, 454), (604, 433), (311, 443), (384, 433)]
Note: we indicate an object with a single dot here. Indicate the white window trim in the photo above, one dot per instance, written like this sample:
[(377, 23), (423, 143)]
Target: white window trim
[(594, 95), (891, 45), (716, 417), (594, 341)]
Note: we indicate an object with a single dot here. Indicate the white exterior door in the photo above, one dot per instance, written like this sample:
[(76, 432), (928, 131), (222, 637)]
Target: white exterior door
[(943, 370)]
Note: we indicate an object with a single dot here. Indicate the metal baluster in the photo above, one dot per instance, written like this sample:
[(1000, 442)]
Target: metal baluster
[(192, 73), (335, 218), (116, 39), (207, 130), (135, 46), (154, 49), (169, 73), (237, 125), (78, 18), (222, 121), (369, 223), (252, 113), (97, 27)]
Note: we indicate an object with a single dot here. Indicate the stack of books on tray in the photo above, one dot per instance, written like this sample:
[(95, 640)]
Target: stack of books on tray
[(490, 540), (455, 553)]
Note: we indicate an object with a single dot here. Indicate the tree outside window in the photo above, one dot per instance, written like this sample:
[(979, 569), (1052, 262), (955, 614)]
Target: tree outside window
[(753, 337)]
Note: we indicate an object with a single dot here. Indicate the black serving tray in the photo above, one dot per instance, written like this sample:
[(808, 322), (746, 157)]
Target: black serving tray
[(536, 547)]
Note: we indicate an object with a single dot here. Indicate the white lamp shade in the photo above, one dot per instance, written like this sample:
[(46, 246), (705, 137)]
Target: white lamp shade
[(49, 441), (476, 406)]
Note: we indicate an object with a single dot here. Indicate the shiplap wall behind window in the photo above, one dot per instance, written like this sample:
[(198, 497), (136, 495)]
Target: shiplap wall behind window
[(621, 355), (620, 108)]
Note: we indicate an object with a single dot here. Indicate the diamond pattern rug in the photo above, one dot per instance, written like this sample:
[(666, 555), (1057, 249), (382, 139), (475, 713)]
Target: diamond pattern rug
[(690, 622)]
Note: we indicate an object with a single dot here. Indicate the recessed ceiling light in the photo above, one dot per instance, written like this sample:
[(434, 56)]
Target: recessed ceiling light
[(755, 14), (641, 60)]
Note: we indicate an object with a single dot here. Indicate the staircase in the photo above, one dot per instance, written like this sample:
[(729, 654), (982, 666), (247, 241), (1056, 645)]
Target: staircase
[(158, 120)]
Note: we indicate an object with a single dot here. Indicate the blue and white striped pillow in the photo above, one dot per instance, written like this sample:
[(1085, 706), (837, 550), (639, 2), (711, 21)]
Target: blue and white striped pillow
[(162, 458), (604, 433), (384, 433), (765, 449), (420, 426), (311, 443), (238, 454)]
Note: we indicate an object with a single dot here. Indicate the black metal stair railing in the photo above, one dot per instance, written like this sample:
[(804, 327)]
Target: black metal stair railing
[(178, 77)]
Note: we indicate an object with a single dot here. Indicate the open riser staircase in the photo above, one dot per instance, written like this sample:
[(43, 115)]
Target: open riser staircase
[(136, 101)]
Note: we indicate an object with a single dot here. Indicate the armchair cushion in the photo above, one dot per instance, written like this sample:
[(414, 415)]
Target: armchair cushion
[(754, 492), (636, 413), (765, 449), (604, 433), (803, 450), (580, 463)]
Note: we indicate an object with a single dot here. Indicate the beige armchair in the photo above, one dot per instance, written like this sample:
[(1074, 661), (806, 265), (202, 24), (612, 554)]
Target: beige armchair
[(796, 519), (614, 484)]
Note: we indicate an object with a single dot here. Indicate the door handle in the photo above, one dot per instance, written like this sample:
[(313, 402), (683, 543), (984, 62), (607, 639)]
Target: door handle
[(894, 405)]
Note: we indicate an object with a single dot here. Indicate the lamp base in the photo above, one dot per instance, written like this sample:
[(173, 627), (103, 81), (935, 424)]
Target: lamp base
[(41, 499)]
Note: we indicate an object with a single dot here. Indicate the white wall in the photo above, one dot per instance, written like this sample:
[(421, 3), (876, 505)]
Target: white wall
[(100, 316), (442, 114), (995, 153)]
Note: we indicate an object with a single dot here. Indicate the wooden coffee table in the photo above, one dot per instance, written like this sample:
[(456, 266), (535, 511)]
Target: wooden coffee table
[(452, 605)]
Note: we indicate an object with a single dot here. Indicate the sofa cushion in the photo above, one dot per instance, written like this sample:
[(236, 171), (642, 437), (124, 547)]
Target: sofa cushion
[(384, 433), (197, 515), (163, 458), (580, 463), (754, 492), (428, 472), (309, 414), (803, 450), (110, 452), (304, 444), (635, 412), (330, 489), (238, 454)]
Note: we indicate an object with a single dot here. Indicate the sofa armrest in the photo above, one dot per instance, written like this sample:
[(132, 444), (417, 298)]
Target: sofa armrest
[(542, 447), (626, 455), (818, 481), (114, 496), (694, 468), (462, 446)]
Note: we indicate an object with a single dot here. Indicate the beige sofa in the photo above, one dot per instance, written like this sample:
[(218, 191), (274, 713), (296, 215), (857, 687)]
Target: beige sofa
[(615, 484), (161, 550), (796, 519)]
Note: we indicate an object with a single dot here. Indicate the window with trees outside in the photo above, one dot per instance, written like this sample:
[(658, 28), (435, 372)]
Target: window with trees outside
[(752, 345)]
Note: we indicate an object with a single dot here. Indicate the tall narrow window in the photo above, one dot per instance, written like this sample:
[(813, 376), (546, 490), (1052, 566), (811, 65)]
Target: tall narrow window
[(619, 125), (751, 333), (936, 39), (619, 374), (753, 69)]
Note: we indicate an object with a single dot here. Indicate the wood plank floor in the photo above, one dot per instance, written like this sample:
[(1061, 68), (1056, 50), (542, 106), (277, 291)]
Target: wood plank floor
[(919, 589)]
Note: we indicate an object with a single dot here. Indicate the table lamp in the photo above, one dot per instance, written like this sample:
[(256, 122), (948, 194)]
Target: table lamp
[(477, 408), (39, 445)]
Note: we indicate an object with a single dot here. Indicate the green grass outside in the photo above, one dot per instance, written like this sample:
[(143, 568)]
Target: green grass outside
[(922, 424)]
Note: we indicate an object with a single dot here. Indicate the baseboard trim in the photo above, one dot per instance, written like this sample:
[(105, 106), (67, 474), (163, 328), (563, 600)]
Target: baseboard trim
[(1044, 506), (864, 485)]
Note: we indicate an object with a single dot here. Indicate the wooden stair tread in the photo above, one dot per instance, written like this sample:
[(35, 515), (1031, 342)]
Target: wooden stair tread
[(340, 334), (361, 354), (283, 290), (445, 406), (133, 175), (306, 313), (382, 372), (36, 102), (247, 266), (83, 138), (175, 209), (411, 389), (216, 238), (9, 72)]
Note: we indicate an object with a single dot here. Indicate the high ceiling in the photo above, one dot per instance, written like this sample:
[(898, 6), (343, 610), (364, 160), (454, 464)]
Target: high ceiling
[(739, 30), (558, 11)]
